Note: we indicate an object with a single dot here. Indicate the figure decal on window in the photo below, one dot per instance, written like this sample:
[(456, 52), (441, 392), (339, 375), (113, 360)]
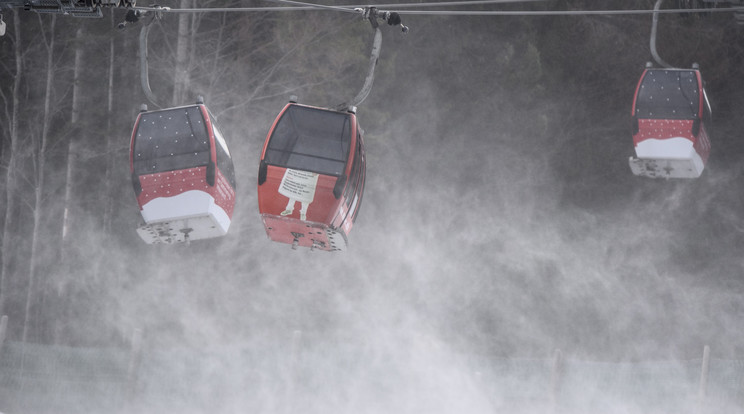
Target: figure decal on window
[(298, 186)]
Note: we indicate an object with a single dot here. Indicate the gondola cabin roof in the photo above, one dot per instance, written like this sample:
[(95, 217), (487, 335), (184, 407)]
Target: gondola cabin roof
[(670, 118), (182, 175), (311, 170)]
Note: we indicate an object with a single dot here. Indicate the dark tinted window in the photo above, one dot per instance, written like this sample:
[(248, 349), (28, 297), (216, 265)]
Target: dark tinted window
[(310, 139), (169, 140), (668, 94)]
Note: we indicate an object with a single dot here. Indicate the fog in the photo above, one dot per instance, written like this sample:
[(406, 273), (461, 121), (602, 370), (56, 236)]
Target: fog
[(500, 223)]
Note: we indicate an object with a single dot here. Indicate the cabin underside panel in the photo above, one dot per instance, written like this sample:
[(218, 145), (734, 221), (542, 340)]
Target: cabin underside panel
[(193, 215), (181, 230), (673, 157), (666, 168), (303, 233)]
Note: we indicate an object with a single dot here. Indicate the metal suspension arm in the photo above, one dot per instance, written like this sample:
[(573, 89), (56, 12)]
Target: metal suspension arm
[(655, 23), (144, 72), (372, 14), (369, 80)]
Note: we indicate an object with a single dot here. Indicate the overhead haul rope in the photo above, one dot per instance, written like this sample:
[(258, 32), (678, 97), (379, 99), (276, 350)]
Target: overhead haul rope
[(299, 6), (355, 9), (293, 5), (451, 3), (304, 6), (317, 6), (652, 41), (559, 12)]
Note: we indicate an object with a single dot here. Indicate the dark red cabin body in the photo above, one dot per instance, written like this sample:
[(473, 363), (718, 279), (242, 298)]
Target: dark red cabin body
[(182, 175), (671, 117), (311, 177)]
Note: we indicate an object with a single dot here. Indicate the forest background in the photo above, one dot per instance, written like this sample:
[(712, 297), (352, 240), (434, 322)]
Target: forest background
[(500, 215)]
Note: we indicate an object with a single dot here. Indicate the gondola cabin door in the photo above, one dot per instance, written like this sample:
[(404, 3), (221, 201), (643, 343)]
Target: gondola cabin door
[(671, 117), (311, 177), (182, 175)]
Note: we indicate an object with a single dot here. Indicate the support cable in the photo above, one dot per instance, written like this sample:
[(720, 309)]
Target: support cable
[(317, 6), (355, 9), (452, 3), (304, 6), (559, 12)]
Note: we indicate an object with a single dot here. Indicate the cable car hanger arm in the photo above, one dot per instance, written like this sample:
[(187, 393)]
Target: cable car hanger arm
[(372, 14), (133, 16), (369, 80), (390, 17), (652, 42)]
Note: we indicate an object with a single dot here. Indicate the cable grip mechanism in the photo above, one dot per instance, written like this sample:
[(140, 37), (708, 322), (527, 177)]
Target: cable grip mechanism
[(391, 18)]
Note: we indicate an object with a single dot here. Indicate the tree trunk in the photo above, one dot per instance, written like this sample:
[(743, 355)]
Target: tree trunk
[(74, 120), (60, 282), (108, 210), (40, 165), (101, 263), (10, 174)]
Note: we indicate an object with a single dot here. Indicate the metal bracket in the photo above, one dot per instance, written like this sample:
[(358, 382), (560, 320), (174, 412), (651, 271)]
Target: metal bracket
[(370, 13), (296, 241), (391, 18)]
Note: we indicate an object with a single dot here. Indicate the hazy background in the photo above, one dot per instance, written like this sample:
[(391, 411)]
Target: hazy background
[(500, 217)]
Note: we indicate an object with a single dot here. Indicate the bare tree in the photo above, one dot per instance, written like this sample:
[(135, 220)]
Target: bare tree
[(109, 207), (12, 156), (72, 149), (40, 162)]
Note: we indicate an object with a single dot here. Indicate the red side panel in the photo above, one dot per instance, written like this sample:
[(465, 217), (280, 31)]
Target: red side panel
[(171, 183), (670, 128), (224, 194), (663, 129), (702, 145)]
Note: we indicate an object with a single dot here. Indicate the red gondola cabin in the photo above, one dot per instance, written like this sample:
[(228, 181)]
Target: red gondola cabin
[(311, 177), (182, 175), (671, 117)]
